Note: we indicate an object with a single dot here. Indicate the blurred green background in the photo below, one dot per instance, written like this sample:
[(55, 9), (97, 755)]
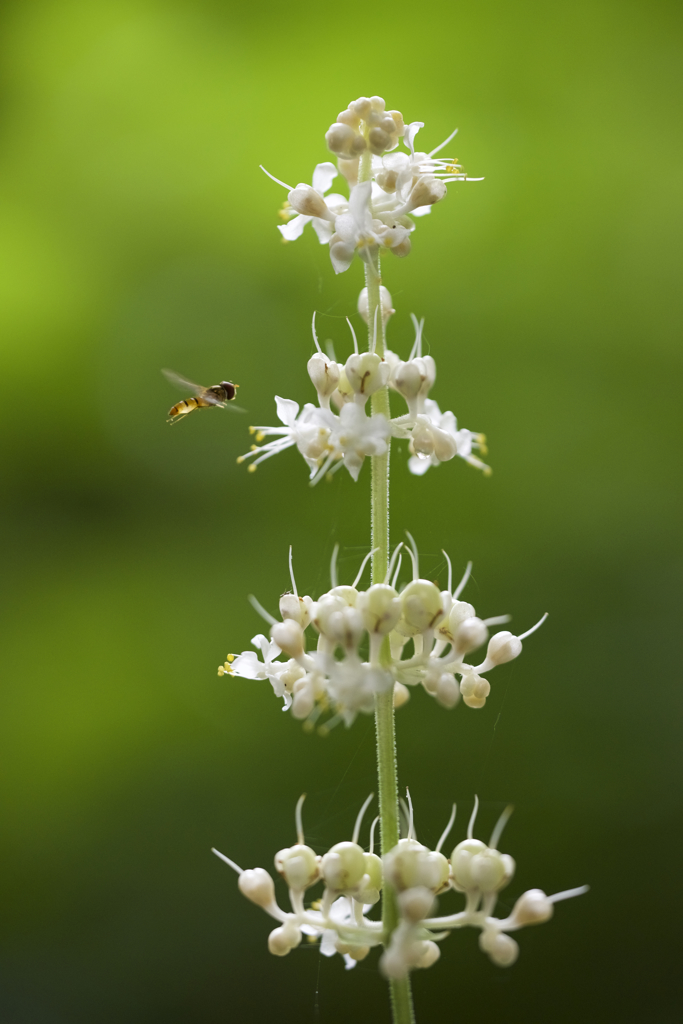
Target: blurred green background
[(138, 232)]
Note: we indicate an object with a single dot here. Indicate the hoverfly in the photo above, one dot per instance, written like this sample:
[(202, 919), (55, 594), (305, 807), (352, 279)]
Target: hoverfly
[(217, 395)]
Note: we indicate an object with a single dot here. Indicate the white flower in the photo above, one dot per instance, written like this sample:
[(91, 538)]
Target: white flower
[(309, 430), (355, 435), (248, 666), (309, 205), (358, 232), (435, 438)]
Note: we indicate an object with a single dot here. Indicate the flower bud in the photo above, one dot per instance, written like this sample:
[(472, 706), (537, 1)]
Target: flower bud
[(426, 192), (411, 864), (358, 952), (474, 689), (501, 948), (299, 866), (343, 140), (349, 595), (322, 612), (366, 373), (503, 647), (447, 691), (461, 863), (399, 126), (532, 907), (257, 885), (380, 607), (491, 871), (430, 954), (401, 695), (415, 904), (402, 249), (460, 611), (289, 636), (361, 107), (324, 374), (407, 379), (349, 117), (343, 866), (305, 200), (345, 627), (385, 299), (296, 608), (422, 605), (283, 939), (378, 140), (470, 634)]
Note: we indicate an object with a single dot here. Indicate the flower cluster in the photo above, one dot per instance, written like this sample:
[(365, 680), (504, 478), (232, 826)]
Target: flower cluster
[(350, 663), (392, 186), (353, 880), (328, 439)]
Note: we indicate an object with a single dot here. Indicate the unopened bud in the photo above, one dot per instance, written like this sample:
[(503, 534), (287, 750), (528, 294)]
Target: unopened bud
[(447, 691), (257, 885), (461, 863), (411, 864), (426, 192), (532, 907), (422, 606), (366, 373), (416, 903), (378, 140), (385, 300), (299, 866), (429, 955), (503, 647), (380, 607), (296, 608), (403, 248), (343, 866), (283, 939), (501, 948), (407, 379), (401, 695), (305, 200), (491, 871), (342, 139), (289, 636), (474, 689), (470, 634), (324, 374)]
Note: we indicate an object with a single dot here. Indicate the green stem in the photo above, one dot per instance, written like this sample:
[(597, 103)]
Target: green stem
[(385, 732)]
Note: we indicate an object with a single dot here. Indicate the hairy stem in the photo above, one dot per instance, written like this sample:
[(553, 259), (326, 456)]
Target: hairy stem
[(385, 732)]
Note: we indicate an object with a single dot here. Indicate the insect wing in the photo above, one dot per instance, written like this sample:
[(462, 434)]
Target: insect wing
[(189, 385)]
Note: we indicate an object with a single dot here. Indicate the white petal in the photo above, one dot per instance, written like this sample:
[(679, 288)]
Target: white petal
[(418, 467), (293, 229), (327, 944), (420, 211), (323, 176), (323, 230), (411, 131), (287, 410)]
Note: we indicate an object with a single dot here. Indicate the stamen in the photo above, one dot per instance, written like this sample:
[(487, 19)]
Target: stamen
[(272, 176), (333, 567), (463, 582), (533, 628), (439, 148), (500, 825), (372, 834), (353, 334), (412, 551), (315, 336), (363, 564), (450, 570), (497, 620), (236, 867), (261, 610), (359, 819), (291, 573), (392, 562), (410, 819), (449, 826), (398, 569), (567, 894), (325, 728), (297, 820), (470, 827)]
